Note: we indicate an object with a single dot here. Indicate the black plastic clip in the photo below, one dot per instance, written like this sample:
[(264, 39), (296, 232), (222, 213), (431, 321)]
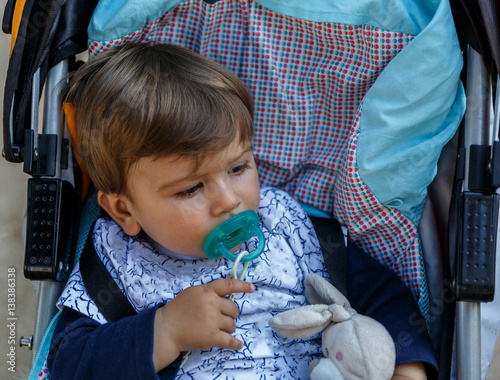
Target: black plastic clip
[(475, 246), (495, 165), (484, 167), (51, 207)]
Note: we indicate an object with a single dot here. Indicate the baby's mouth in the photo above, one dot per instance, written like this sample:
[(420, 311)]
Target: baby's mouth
[(233, 234)]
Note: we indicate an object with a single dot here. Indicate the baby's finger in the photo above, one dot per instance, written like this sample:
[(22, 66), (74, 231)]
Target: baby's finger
[(229, 308), (228, 325), (226, 286), (230, 342)]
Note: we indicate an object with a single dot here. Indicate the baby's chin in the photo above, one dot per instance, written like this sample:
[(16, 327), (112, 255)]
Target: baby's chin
[(196, 255)]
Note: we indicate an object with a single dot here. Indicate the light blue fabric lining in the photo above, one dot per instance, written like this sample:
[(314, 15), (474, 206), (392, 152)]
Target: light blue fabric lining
[(411, 111), (404, 16), (114, 19), (314, 211)]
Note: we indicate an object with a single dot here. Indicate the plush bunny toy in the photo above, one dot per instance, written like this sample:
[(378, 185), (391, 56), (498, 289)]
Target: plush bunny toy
[(355, 346)]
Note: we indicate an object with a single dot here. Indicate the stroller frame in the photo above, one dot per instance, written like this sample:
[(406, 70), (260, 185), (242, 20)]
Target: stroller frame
[(468, 314)]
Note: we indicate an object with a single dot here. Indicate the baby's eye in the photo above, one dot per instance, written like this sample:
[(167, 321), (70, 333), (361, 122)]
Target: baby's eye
[(191, 192), (239, 169)]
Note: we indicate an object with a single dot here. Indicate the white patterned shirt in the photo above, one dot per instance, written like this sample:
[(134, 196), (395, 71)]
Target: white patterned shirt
[(150, 276)]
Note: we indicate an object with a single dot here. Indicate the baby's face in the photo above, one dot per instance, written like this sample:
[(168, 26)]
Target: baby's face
[(178, 201)]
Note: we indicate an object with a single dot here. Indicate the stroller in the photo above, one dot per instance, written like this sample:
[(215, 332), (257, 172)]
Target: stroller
[(384, 210)]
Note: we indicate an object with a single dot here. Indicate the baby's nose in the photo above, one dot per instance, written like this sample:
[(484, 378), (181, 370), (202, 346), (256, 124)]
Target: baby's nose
[(225, 200)]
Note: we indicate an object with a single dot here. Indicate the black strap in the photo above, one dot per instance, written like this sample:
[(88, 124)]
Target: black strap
[(331, 240), (101, 287)]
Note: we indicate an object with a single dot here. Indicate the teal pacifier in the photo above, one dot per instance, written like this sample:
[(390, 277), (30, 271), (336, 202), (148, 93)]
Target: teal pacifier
[(235, 231)]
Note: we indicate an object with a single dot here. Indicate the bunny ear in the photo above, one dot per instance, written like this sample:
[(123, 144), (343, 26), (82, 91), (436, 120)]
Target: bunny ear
[(320, 291), (301, 323)]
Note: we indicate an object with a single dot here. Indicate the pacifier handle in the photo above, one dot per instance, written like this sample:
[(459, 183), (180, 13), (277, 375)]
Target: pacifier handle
[(233, 232)]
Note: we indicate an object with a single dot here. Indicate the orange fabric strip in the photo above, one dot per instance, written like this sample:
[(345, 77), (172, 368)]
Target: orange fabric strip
[(69, 112), (16, 21)]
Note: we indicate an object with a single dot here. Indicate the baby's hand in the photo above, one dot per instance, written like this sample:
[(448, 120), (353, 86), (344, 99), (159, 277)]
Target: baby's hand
[(198, 318)]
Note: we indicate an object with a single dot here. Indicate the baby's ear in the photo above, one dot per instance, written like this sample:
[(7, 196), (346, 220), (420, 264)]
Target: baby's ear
[(118, 207)]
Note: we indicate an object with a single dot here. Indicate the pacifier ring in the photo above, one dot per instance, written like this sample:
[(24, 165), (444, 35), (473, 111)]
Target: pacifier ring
[(232, 233)]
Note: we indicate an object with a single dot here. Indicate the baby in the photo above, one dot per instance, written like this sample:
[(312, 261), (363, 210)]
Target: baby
[(165, 135)]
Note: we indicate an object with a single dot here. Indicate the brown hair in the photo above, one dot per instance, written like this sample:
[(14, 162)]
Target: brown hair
[(139, 101)]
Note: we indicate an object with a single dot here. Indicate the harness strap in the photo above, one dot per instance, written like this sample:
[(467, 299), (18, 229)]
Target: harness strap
[(101, 287), (331, 241)]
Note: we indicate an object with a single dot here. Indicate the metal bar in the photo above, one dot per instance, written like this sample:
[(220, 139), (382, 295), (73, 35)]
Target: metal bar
[(478, 125), (50, 291), (478, 106), (35, 98), (53, 121), (496, 119), (468, 322), (48, 295)]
